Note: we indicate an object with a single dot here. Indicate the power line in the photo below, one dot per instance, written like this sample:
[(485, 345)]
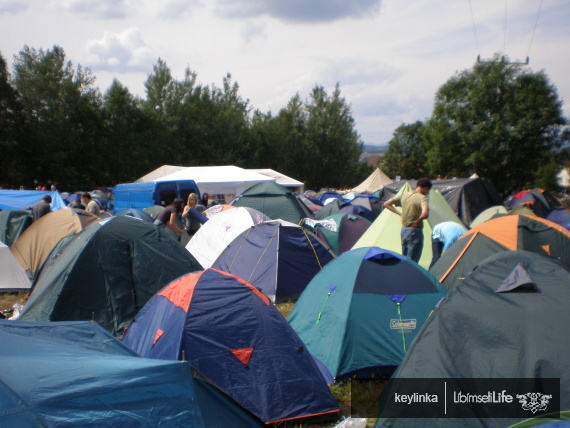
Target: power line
[(503, 58), (474, 29), (534, 31), (505, 36)]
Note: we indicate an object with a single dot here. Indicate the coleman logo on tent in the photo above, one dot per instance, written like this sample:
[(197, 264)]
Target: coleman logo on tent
[(534, 401), (403, 324)]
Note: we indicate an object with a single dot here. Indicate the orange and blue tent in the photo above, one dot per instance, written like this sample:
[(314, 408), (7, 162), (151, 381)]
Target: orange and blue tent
[(235, 338), (507, 232)]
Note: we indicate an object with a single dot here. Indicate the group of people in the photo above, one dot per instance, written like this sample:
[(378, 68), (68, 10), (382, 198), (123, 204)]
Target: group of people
[(43, 207), (190, 214), (415, 209)]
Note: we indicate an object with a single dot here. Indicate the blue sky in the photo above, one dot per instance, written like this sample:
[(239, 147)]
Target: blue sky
[(389, 56)]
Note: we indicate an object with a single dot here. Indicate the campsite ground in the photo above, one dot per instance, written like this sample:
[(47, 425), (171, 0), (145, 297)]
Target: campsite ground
[(350, 400), (8, 300)]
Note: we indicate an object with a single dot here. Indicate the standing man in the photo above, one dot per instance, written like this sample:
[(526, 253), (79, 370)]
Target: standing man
[(91, 206), (415, 209), (41, 208)]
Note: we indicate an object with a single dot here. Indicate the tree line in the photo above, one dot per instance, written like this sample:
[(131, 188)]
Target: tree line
[(498, 120), (56, 126)]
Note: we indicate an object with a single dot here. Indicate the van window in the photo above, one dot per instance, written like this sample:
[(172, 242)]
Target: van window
[(167, 197), (184, 194)]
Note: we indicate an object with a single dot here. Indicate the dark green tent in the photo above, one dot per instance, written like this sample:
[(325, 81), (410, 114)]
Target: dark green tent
[(507, 320), (275, 201), (333, 207), (506, 232), (106, 273), (12, 224), (462, 257)]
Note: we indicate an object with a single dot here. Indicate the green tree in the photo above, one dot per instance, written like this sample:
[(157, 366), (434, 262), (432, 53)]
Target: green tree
[(129, 149), (11, 122), (156, 109), (63, 125), (499, 120), (264, 136), (291, 146), (332, 141), (406, 154), (232, 136)]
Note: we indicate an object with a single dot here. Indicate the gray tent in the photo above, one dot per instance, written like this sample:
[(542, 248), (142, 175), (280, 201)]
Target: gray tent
[(507, 320)]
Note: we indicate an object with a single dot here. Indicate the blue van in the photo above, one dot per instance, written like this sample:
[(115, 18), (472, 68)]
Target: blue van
[(143, 195)]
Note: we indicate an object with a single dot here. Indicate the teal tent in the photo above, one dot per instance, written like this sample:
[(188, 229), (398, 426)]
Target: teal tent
[(106, 273), (13, 223), (359, 315), (76, 374), (275, 201)]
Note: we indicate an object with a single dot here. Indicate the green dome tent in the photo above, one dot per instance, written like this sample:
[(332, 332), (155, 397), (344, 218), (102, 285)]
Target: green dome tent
[(507, 320), (275, 201), (106, 273)]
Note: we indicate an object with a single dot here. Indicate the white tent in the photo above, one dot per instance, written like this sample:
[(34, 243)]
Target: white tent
[(222, 183), (374, 182), (564, 177), (215, 235), (282, 179), (159, 172), (12, 275)]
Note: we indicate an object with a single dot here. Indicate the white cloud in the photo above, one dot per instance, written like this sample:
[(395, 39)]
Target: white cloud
[(103, 9), (13, 6), (123, 52), (122, 9), (164, 8), (300, 10), (254, 31), (355, 71)]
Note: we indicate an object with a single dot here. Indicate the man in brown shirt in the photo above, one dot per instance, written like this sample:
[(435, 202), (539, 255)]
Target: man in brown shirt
[(415, 209)]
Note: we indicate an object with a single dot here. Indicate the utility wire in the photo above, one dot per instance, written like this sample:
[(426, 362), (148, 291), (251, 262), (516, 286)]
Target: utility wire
[(474, 29), (534, 31), (505, 37)]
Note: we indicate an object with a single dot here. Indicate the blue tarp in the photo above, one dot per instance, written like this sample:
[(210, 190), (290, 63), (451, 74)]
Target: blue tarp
[(24, 199)]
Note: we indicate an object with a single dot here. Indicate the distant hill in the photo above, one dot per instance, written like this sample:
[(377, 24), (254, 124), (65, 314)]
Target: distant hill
[(374, 148), (371, 153)]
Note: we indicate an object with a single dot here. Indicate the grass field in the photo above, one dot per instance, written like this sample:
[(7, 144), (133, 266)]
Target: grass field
[(8, 300), (350, 399)]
